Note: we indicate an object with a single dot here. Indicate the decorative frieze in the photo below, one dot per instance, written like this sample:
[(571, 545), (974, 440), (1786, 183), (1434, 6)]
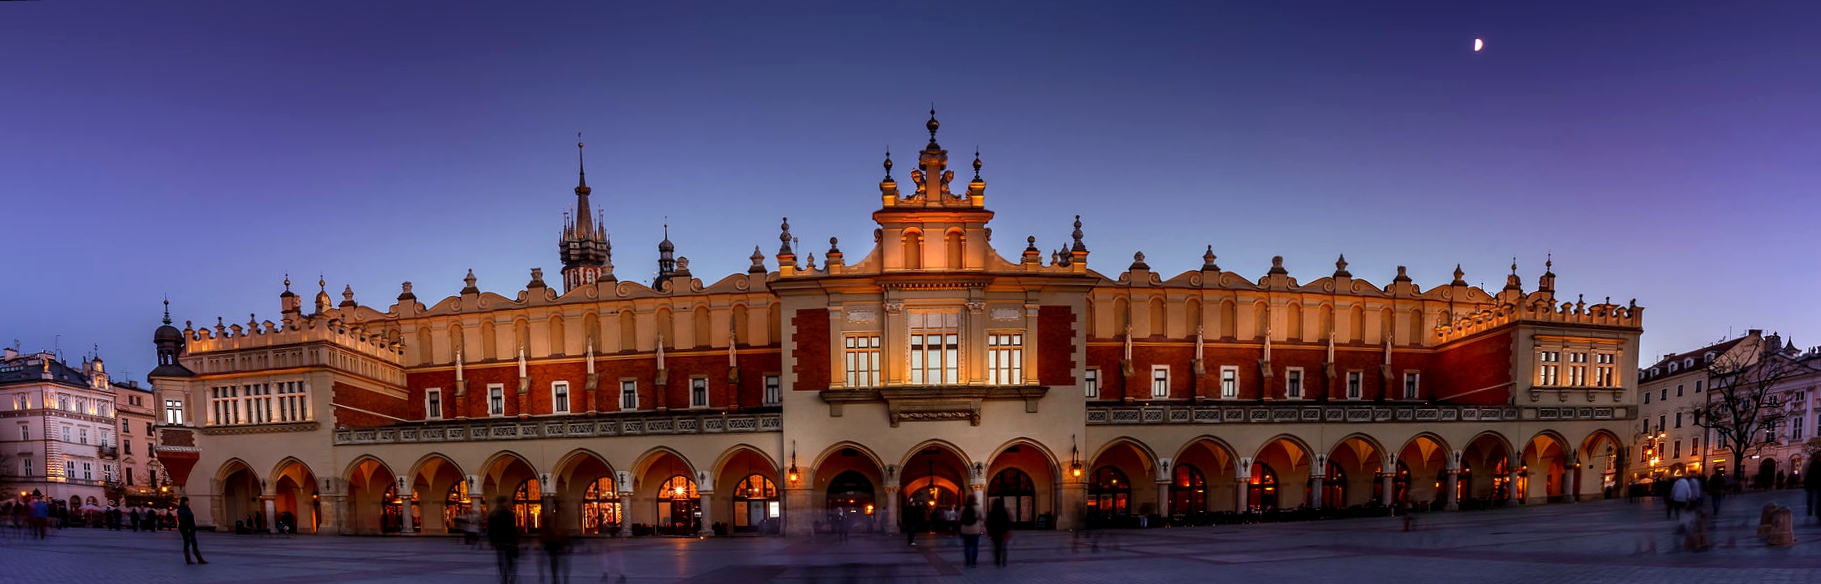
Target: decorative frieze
[(494, 430), (1256, 414)]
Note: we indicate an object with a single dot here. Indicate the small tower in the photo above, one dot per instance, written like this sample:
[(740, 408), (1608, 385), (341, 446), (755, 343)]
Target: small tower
[(169, 341), (667, 262), (586, 253)]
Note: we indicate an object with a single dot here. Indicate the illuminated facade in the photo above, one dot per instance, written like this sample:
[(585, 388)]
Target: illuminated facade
[(57, 428), (928, 368)]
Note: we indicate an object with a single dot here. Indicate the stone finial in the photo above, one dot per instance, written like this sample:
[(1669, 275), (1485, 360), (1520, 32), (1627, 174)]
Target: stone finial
[(1030, 243), (405, 292), (537, 279), (1458, 274), (784, 237), (1076, 235), (1207, 260), (758, 262), (468, 282), (1402, 275), (833, 246), (1277, 265), (1138, 262), (1340, 267)]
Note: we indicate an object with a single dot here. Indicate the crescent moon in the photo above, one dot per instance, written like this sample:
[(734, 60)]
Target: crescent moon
[(1478, 44)]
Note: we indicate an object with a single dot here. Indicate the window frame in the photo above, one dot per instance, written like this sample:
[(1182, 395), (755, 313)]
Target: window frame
[(1090, 382), (1294, 383), (1413, 384), (1005, 357), (773, 388), (496, 400), (699, 384), (1356, 385), (1229, 382), (1160, 384), (433, 397), (629, 388), (861, 356), (561, 398)]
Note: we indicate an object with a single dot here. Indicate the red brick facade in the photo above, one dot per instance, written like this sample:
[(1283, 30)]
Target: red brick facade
[(811, 355), (1056, 342)]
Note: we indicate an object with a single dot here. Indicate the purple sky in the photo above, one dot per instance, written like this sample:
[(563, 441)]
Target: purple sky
[(205, 150)]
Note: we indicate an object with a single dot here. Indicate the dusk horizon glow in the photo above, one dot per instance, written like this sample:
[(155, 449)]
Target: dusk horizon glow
[(205, 151)]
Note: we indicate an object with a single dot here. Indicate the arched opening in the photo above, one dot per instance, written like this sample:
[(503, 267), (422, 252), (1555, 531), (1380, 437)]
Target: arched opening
[(1109, 496), (436, 476), (679, 507), (1485, 480), (295, 500), (370, 487), (1188, 490), (1261, 488), (1292, 465), (1360, 462), (1209, 458), (458, 506), (1424, 456), (528, 505), (1229, 320), (1334, 487), (935, 482), (1400, 485), (240, 504), (1012, 488), (913, 250), (1601, 456), (1544, 475), (1158, 320), (751, 477), (392, 511), (1767, 474), (954, 244), (850, 504), (586, 486), (510, 480)]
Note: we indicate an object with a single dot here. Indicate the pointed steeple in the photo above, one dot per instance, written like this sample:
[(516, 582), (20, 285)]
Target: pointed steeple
[(667, 264), (587, 256)]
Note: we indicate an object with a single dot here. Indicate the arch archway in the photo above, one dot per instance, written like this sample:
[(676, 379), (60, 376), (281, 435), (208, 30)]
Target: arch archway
[(1544, 474), (657, 501), (432, 477), (295, 500), (587, 493), (504, 475), (1486, 472), (1219, 467), (750, 477), (1424, 457), (935, 479), (678, 506), (1289, 459), (1360, 460), (1130, 460), (850, 482), (1598, 461), (240, 496), (369, 480), (1038, 467)]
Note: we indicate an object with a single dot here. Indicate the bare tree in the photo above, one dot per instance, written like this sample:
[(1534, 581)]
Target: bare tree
[(1743, 406)]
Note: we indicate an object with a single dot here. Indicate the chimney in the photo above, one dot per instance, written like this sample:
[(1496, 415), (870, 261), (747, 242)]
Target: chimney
[(11, 353), (1754, 332)]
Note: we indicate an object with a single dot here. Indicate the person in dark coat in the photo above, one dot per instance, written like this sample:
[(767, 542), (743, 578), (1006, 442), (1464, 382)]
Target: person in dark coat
[(1716, 490), (1811, 483), (971, 527), (913, 520), (999, 529), (502, 532), (186, 526)]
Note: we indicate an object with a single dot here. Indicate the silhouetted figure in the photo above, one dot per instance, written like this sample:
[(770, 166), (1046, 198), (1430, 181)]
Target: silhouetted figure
[(502, 532), (1716, 489), (913, 521), (970, 534), (1811, 483), (186, 527), (555, 541), (999, 529)]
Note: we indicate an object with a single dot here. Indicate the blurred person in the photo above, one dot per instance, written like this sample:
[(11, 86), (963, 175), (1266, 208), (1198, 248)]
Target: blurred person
[(502, 532), (970, 533), (186, 526), (999, 529), (554, 540)]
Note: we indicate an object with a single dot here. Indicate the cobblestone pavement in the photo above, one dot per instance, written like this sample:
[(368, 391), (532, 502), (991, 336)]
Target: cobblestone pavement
[(1605, 541)]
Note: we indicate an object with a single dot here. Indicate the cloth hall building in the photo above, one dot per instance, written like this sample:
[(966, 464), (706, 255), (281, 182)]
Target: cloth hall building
[(798, 397)]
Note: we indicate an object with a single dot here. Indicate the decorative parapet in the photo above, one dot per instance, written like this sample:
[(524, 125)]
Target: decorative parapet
[(474, 431), (267, 334), (1542, 310), (260, 428), (1315, 414)]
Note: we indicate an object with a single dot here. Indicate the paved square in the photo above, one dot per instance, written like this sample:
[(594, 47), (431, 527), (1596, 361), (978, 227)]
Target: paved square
[(1606, 541)]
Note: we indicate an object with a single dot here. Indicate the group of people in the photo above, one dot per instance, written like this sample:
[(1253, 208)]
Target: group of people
[(553, 539), (969, 523), (38, 514)]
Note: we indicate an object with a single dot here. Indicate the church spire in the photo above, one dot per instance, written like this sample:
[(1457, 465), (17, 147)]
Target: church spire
[(584, 217), (584, 249)]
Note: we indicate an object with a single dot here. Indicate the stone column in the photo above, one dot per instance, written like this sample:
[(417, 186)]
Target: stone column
[(1511, 478), (891, 510), (1315, 484), (1163, 499), (335, 514), (625, 513), (1072, 495), (1241, 492), (707, 502), (1571, 492), (799, 516), (1450, 500), (271, 511), (405, 515), (1388, 490), (979, 494)]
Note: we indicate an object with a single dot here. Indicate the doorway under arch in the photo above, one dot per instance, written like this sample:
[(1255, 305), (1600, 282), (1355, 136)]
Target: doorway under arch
[(1019, 495)]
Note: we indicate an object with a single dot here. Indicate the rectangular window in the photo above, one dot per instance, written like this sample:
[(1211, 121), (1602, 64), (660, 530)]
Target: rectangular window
[(129, 476), (1662, 421), (1090, 383), (88, 471), (28, 466), (496, 399), (1678, 390), (1664, 395), (83, 434), (1355, 385), (1678, 449), (1160, 381), (1412, 381), (1678, 419), (126, 427), (698, 392), (559, 397), (1293, 383), (433, 403), (148, 425), (1005, 358), (1795, 428), (107, 472), (861, 356), (25, 432), (935, 348), (1547, 367), (126, 447), (1698, 384), (1646, 397), (66, 433), (774, 390), (1229, 382), (629, 395), (1695, 448)]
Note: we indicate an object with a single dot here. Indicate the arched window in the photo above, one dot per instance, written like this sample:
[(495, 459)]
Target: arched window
[(1159, 326), (1416, 327), (755, 504), (1357, 324), (629, 331), (1293, 322), (1229, 320), (601, 507), (558, 346), (1334, 487), (678, 506), (456, 504), (1014, 487), (955, 243), (850, 502), (1188, 491), (1261, 489), (700, 318), (1110, 493), (527, 505), (913, 250)]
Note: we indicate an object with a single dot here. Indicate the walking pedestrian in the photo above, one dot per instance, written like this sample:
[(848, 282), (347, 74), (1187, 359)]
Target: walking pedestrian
[(999, 529), (502, 532), (913, 520), (186, 527), (555, 541), (1678, 495), (1811, 484), (970, 534), (1716, 490)]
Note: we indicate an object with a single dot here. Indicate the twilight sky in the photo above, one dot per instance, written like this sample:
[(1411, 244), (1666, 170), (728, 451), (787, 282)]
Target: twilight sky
[(204, 150)]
